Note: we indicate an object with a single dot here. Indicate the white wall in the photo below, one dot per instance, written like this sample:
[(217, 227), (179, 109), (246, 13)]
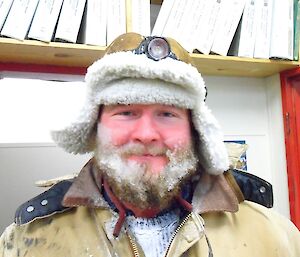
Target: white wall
[(24, 164), (30, 108), (277, 145), (247, 109)]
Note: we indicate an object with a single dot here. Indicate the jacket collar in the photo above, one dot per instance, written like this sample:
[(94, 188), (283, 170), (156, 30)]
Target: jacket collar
[(212, 193)]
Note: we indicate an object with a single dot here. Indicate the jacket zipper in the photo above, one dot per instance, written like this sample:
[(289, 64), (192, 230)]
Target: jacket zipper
[(134, 245), (177, 230)]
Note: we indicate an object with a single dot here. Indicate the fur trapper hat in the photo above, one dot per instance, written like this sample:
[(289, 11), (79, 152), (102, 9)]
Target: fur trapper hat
[(127, 77)]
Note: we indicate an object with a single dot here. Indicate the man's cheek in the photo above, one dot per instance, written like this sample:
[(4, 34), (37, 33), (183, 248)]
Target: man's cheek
[(178, 142), (119, 139), (117, 136)]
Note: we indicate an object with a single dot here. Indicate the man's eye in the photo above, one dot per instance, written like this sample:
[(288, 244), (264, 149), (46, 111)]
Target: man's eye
[(125, 113), (167, 114)]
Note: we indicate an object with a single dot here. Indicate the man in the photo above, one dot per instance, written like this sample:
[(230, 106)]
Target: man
[(156, 185)]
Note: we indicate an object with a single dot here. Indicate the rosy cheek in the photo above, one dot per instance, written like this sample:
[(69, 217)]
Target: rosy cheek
[(178, 141), (119, 137)]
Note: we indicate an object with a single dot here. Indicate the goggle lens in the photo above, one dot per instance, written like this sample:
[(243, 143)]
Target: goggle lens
[(158, 49)]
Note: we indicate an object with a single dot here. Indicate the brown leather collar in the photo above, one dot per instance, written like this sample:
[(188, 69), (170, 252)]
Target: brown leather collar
[(86, 188)]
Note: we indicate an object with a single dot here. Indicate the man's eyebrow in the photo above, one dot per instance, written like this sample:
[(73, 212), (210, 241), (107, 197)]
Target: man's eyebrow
[(112, 107)]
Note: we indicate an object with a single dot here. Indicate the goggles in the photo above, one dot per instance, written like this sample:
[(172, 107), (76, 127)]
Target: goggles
[(156, 48)]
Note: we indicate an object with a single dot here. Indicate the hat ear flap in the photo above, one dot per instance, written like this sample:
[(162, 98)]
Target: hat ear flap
[(211, 148), (79, 137)]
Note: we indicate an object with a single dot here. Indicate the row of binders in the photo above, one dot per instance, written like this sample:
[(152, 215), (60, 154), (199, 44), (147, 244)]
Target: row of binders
[(61, 20), (246, 28), (93, 22)]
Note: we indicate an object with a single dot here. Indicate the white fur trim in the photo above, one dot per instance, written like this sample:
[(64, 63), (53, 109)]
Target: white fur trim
[(129, 65), (146, 91), (213, 150), (126, 78)]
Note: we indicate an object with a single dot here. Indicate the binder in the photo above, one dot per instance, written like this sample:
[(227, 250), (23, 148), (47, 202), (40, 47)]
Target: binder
[(206, 34), (45, 19), (282, 30), (5, 6), (263, 32), (19, 19), (95, 21), (140, 17), (69, 20), (116, 20), (251, 19), (226, 25), (162, 17)]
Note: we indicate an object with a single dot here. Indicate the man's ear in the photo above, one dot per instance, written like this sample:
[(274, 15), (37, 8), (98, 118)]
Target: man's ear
[(95, 129), (195, 144), (100, 110), (92, 142), (194, 133)]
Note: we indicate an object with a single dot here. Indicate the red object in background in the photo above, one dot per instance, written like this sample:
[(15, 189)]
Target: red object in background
[(290, 90), (39, 68)]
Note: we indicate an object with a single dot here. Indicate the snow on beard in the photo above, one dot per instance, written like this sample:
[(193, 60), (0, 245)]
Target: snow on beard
[(135, 183)]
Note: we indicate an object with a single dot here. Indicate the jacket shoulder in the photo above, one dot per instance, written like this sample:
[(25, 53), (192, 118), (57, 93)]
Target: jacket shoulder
[(255, 229), (43, 205), (253, 188), (276, 221)]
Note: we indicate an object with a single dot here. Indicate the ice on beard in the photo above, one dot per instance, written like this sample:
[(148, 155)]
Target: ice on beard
[(137, 176)]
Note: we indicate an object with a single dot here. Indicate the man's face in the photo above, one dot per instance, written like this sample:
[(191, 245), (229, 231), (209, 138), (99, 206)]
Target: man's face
[(146, 152), (157, 127)]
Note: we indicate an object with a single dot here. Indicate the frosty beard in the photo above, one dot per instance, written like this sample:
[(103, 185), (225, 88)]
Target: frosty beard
[(134, 183)]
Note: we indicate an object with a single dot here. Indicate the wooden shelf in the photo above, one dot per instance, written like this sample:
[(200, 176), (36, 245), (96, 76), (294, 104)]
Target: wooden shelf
[(238, 66), (159, 2), (53, 53), (78, 55)]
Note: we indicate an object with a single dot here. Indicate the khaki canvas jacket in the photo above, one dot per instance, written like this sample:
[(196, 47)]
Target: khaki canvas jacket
[(218, 225)]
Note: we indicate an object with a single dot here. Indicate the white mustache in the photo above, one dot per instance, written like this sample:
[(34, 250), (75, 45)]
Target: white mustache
[(140, 149)]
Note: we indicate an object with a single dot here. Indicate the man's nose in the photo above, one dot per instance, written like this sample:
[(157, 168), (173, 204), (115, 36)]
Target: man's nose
[(145, 130)]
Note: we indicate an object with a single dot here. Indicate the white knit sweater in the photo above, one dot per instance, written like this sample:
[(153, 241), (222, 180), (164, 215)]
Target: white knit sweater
[(154, 235)]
